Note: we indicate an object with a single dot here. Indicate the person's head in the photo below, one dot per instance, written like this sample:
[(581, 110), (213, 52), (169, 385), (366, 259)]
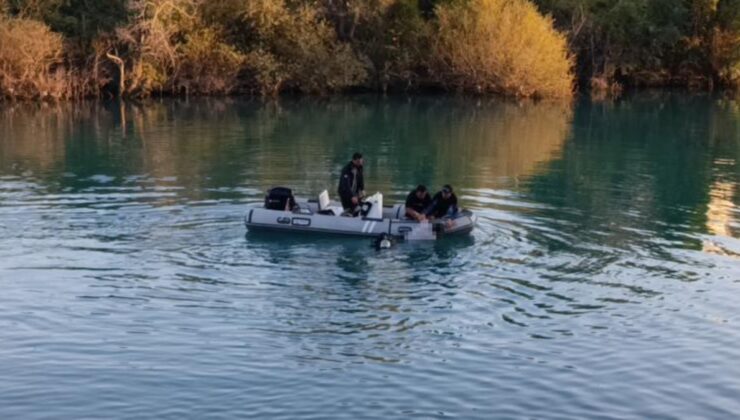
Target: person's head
[(447, 191), (421, 191), (357, 159)]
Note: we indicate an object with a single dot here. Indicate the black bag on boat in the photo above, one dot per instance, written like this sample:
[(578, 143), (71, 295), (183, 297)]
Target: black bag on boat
[(280, 198)]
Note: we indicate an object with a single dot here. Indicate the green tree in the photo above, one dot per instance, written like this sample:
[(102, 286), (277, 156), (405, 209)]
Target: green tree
[(79, 20), (651, 42), (292, 47), (396, 39), (714, 40)]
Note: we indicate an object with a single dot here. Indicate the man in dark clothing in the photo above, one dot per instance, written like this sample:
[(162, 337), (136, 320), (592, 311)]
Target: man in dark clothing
[(351, 183), (443, 204), (416, 202)]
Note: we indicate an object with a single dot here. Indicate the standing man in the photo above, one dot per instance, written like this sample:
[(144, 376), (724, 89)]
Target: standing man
[(352, 184)]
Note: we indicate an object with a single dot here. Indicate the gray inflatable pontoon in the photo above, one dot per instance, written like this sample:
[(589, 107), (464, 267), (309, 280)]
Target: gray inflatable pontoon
[(326, 217)]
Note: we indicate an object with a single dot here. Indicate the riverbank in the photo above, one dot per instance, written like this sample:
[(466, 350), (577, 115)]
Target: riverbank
[(517, 48)]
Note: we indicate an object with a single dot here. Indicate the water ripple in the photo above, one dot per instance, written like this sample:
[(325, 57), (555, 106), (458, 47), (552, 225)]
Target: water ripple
[(601, 280)]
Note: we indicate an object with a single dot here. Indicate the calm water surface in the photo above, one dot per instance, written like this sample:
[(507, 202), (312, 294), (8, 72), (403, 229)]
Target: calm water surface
[(602, 281)]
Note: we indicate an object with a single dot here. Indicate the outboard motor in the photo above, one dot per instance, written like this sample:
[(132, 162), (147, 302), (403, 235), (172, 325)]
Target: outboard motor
[(280, 198)]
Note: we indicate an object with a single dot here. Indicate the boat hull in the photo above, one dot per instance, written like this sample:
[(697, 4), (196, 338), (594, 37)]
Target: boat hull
[(307, 221)]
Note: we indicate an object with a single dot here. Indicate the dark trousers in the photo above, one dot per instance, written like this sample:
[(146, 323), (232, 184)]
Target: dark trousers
[(347, 204)]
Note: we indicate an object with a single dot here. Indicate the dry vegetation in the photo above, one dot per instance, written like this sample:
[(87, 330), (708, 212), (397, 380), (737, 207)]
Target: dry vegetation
[(30, 59), (167, 47), (60, 49), (502, 46)]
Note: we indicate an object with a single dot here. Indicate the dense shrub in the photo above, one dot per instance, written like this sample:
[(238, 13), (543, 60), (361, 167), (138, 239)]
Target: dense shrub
[(80, 21), (394, 37), (725, 57), (652, 42), (502, 46), (29, 58), (294, 49), (208, 65), (716, 36), (167, 47)]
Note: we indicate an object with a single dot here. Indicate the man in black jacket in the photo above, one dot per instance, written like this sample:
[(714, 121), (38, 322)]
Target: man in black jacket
[(351, 183), (444, 204), (417, 201)]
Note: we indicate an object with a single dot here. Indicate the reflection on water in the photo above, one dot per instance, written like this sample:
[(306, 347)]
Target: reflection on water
[(720, 214), (220, 144), (606, 254)]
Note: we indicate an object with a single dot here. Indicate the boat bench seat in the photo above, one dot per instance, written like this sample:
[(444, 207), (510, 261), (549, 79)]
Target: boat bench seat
[(325, 206)]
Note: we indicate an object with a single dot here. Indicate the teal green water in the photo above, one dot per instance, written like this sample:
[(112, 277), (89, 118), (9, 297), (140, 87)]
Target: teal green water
[(601, 281)]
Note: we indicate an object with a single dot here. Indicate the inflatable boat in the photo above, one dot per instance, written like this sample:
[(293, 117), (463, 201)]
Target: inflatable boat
[(283, 212)]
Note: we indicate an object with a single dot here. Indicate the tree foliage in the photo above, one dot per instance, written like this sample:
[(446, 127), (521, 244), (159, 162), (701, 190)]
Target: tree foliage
[(652, 42), (168, 47), (29, 60), (144, 47), (294, 48), (391, 35), (79, 21), (502, 46)]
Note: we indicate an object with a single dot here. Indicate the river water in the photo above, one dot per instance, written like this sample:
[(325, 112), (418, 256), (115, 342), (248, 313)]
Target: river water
[(602, 280)]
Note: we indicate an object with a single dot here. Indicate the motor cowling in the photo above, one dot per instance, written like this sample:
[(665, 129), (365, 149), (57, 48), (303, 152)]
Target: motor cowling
[(280, 198)]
